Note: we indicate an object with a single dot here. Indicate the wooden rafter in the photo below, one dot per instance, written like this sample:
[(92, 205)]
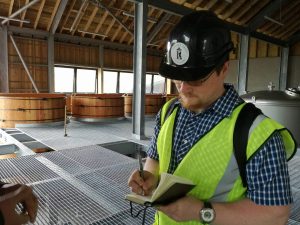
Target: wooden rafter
[(232, 9), (103, 18), (68, 15), (54, 11), (210, 4), (122, 21), (24, 14), (79, 16), (251, 13), (246, 7), (193, 5), (91, 18), (10, 7), (38, 16)]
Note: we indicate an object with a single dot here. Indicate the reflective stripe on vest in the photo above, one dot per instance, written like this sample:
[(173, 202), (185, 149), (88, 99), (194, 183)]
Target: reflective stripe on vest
[(210, 163)]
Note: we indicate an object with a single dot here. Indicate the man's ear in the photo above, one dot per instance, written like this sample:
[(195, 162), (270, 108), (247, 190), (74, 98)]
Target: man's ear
[(225, 69)]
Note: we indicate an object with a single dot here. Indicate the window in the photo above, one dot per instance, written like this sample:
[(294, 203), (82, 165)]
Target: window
[(126, 82), (63, 79), (158, 84), (86, 81), (110, 80), (148, 83), (66, 77)]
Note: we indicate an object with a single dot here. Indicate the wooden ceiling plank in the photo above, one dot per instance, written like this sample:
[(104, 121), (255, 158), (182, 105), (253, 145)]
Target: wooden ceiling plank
[(288, 21), (244, 10), (24, 13), (284, 12), (125, 18), (67, 16), (91, 18), (251, 13), (19, 11), (196, 3), (210, 4), (158, 27), (114, 17), (10, 7), (100, 23), (288, 18), (291, 30), (54, 11), (109, 28), (222, 7), (79, 16), (38, 16), (259, 18), (232, 9)]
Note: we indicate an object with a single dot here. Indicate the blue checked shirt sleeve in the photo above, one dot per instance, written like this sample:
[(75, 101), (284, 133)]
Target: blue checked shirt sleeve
[(152, 150), (268, 176)]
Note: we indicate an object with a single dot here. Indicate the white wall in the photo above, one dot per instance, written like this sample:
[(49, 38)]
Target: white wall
[(294, 71), (262, 71)]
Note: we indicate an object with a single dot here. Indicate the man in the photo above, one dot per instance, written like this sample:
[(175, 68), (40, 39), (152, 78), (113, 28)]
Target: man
[(195, 140), (10, 196)]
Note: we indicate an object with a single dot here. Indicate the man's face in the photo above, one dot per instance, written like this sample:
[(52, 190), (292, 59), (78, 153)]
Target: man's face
[(200, 94)]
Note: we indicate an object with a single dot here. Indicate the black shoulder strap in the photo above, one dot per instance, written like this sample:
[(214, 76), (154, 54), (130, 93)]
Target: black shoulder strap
[(243, 123), (170, 109)]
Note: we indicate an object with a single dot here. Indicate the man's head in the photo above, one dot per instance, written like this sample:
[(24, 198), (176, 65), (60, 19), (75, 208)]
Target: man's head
[(198, 44)]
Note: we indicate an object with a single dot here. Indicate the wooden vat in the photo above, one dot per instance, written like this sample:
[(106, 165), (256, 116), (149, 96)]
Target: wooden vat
[(153, 103), (30, 108), (8, 156), (97, 106)]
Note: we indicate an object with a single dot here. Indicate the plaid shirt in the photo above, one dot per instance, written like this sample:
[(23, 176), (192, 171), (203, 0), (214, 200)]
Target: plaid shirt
[(267, 171)]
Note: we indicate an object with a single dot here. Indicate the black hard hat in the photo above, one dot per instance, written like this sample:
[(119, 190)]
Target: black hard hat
[(199, 43)]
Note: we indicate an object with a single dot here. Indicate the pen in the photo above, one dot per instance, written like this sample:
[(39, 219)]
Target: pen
[(141, 170)]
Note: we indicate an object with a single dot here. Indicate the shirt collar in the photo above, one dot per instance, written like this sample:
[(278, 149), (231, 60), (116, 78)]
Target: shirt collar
[(227, 102)]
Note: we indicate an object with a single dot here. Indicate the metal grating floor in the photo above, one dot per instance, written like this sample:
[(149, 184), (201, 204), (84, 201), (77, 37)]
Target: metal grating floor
[(76, 187), (83, 183)]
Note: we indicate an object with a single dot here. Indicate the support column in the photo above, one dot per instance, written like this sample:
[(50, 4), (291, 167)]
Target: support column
[(100, 69), (139, 69), (284, 59), (243, 64), (4, 80), (51, 63)]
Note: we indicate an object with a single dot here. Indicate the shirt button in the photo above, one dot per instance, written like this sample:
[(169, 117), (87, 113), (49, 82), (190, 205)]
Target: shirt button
[(185, 141)]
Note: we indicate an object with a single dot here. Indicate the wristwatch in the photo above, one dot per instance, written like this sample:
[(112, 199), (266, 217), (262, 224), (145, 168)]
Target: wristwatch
[(207, 214)]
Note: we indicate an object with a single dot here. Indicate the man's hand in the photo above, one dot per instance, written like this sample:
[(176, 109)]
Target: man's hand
[(142, 186), (183, 209), (13, 194)]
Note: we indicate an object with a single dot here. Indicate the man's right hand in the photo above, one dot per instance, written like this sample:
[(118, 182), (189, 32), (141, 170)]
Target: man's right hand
[(142, 186)]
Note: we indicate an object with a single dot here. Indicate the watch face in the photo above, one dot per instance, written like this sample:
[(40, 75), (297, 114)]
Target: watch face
[(207, 215)]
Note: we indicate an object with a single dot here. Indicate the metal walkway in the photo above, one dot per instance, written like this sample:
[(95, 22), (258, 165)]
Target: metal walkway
[(83, 183)]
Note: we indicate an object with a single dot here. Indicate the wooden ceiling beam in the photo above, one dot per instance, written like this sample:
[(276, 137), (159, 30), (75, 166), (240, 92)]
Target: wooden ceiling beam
[(100, 4), (24, 14), (38, 16), (104, 16), (79, 16), (10, 7), (67, 16), (91, 18), (158, 27), (259, 18)]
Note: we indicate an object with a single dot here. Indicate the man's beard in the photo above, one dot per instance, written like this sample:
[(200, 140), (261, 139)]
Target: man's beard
[(193, 106)]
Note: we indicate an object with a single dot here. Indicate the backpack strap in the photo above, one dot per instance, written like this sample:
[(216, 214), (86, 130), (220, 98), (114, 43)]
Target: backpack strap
[(243, 123), (171, 106)]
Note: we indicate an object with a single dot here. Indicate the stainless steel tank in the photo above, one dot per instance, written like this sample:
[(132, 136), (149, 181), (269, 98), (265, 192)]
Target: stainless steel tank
[(282, 106)]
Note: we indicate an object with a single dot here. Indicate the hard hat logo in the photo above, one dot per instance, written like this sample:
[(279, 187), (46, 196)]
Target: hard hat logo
[(179, 53)]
